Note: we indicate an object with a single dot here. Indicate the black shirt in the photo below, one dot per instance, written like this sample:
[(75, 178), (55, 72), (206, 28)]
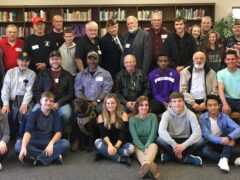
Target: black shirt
[(84, 46)]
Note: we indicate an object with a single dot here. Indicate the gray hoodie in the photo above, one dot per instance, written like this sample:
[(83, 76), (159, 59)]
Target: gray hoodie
[(184, 125), (4, 128)]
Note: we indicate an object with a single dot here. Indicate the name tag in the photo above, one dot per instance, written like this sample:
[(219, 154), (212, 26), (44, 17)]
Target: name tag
[(99, 52), (56, 80), (99, 78), (18, 49), (127, 46), (35, 47), (164, 36)]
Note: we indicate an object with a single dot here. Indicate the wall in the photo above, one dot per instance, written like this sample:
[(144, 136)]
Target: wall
[(223, 8)]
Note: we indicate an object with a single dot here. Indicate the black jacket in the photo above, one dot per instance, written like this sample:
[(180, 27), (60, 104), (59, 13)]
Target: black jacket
[(121, 85), (111, 54), (180, 50), (44, 82)]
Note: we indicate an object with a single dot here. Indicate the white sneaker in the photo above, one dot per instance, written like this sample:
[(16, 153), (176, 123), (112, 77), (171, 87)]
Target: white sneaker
[(0, 166), (223, 164), (237, 161)]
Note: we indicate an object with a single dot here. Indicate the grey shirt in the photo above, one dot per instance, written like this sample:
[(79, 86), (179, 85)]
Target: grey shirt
[(184, 125)]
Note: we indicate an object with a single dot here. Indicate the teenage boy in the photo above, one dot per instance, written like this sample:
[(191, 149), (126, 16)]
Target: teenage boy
[(67, 51), (163, 81), (228, 84), (42, 138), (4, 136), (220, 132), (179, 133)]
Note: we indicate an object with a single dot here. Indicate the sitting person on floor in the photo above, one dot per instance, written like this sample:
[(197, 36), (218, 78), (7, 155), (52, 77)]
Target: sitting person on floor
[(42, 138), (113, 126), (143, 129), (220, 133), (179, 133)]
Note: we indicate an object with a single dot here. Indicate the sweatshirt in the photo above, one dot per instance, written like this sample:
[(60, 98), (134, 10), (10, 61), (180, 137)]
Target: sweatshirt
[(184, 125)]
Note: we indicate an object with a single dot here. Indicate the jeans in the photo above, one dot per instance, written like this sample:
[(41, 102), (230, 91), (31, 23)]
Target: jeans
[(35, 148), (234, 104), (126, 149), (189, 150), (214, 151), (64, 112)]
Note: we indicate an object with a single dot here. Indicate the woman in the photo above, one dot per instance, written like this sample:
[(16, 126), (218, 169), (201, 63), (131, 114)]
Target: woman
[(143, 128), (113, 127), (214, 52), (196, 32)]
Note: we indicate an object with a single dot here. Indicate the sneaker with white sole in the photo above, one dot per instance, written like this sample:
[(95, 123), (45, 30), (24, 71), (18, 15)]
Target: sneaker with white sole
[(166, 158), (194, 160), (237, 161), (223, 164)]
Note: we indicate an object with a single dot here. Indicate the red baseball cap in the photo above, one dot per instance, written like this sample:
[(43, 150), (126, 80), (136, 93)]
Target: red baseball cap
[(37, 19)]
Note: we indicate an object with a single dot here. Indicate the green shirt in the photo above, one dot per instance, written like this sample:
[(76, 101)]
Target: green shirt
[(143, 130), (231, 81)]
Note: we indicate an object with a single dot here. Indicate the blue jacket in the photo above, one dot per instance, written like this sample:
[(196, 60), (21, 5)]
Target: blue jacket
[(224, 123)]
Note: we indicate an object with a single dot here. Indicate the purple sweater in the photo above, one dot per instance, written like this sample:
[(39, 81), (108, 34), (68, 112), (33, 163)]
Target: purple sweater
[(163, 84)]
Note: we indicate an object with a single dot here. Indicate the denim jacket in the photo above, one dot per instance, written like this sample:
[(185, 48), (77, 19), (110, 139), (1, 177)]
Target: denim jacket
[(224, 122)]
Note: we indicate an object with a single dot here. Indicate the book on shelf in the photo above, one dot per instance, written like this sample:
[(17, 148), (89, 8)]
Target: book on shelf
[(190, 13), (103, 31), (77, 15), (8, 16), (29, 15), (118, 14), (146, 14)]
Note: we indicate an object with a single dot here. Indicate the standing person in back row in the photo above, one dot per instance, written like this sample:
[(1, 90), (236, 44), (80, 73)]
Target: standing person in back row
[(180, 46), (39, 45)]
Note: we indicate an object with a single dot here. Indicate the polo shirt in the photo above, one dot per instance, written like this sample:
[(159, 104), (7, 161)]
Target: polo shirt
[(10, 53)]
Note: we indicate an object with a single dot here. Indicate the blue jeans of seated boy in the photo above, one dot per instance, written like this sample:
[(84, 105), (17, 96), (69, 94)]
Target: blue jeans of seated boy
[(169, 150), (125, 150), (216, 151), (35, 148)]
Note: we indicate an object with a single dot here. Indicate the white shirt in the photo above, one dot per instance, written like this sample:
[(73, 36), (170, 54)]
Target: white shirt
[(198, 89), (214, 127)]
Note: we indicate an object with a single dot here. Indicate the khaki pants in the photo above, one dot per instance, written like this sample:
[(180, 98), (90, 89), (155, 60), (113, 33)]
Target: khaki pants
[(149, 157)]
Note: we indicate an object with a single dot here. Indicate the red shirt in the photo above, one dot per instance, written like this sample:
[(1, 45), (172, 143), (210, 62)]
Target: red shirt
[(10, 53)]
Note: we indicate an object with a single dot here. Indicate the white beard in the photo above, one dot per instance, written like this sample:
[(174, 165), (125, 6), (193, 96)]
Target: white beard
[(198, 66)]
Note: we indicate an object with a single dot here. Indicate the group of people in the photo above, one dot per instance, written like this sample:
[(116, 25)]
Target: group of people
[(154, 74)]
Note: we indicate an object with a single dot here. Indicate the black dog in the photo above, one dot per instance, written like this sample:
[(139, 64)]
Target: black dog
[(85, 119)]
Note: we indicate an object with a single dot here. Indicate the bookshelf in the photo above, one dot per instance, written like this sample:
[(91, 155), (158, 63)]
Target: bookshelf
[(78, 15)]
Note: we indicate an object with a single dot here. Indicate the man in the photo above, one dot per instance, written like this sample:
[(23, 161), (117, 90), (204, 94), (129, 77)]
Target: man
[(179, 133), (94, 83), (16, 92), (158, 35), (11, 46), (86, 44), (206, 26), (138, 43), (163, 81), (234, 40), (42, 138), (39, 45), (58, 81), (111, 45), (220, 133), (180, 46), (57, 32), (228, 84), (130, 83), (196, 82)]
